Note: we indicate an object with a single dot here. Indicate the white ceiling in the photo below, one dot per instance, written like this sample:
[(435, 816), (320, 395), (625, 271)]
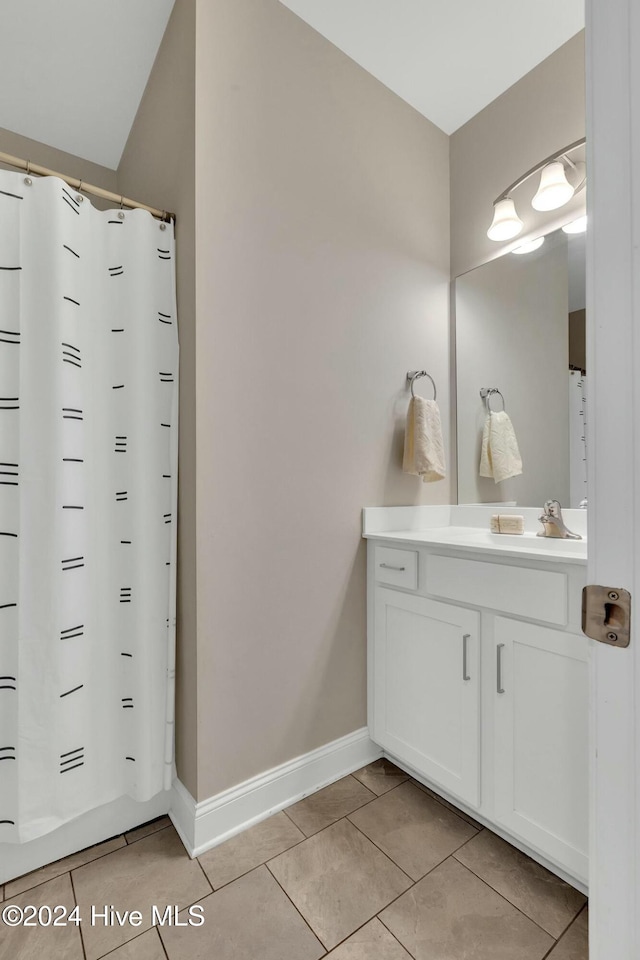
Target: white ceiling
[(72, 72), (447, 58)]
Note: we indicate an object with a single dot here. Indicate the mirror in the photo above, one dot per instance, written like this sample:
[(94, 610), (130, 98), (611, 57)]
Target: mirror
[(520, 329)]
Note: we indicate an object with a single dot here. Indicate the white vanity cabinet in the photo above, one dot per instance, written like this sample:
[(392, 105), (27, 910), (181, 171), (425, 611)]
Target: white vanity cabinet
[(540, 739), (476, 698), (427, 688)]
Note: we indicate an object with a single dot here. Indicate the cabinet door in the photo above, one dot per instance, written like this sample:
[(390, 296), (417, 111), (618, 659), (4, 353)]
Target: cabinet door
[(541, 740), (426, 682)]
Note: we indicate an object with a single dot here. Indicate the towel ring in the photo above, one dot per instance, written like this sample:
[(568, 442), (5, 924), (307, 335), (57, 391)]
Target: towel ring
[(486, 393), (414, 375)]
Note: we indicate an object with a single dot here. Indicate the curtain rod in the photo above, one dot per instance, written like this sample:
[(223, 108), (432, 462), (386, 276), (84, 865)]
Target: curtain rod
[(83, 187)]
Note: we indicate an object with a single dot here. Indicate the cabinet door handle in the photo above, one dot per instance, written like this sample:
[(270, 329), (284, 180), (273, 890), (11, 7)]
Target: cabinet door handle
[(465, 640), (499, 686), (390, 566)]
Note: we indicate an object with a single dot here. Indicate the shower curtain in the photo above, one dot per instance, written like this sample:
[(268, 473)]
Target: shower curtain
[(577, 437), (88, 464)]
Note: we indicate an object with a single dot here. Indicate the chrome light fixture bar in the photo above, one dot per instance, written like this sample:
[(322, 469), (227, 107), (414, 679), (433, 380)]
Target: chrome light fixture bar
[(529, 247), (554, 191)]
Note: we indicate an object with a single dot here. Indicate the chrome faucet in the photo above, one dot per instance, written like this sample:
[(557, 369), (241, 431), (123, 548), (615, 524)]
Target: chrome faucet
[(553, 522)]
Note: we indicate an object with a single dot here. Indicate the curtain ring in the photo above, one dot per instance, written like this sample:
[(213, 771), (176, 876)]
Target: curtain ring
[(79, 187), (28, 168), (121, 201)]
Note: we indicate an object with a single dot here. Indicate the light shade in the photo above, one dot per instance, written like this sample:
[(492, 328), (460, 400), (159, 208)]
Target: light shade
[(576, 226), (554, 190), (529, 246), (506, 222)]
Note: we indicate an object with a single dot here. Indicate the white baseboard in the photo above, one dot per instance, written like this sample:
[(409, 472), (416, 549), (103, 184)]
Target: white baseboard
[(206, 824), (93, 827)]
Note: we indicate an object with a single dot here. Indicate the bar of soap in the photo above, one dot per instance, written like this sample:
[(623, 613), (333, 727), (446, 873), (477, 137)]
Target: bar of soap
[(507, 523)]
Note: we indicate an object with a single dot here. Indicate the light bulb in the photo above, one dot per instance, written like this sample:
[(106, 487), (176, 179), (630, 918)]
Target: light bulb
[(576, 226), (529, 246), (554, 190), (506, 222)]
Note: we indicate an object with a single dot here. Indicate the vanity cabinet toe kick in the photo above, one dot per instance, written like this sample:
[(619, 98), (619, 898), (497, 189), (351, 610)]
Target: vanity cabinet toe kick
[(478, 686)]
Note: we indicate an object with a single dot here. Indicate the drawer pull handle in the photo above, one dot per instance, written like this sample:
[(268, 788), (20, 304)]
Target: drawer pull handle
[(499, 686), (464, 656), (390, 566)]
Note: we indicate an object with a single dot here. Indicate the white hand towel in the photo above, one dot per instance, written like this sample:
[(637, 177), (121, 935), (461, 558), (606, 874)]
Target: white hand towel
[(500, 457), (423, 444)]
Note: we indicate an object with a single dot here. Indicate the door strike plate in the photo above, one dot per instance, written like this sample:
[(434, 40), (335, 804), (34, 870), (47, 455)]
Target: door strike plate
[(606, 614)]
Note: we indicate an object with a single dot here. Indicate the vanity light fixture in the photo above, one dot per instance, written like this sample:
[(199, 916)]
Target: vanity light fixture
[(529, 246), (506, 222), (560, 179), (576, 226), (554, 190)]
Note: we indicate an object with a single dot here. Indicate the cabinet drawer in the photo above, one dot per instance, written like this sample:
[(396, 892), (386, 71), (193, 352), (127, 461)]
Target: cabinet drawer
[(534, 594), (398, 568)]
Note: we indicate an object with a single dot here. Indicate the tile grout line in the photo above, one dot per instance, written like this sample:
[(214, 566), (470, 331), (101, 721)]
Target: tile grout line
[(365, 804), (79, 927), (284, 810), (486, 882), (304, 919), (261, 864), (376, 916), (127, 942), (406, 776), (40, 883), (321, 830), (521, 912), (362, 805), (206, 878), (93, 860), (303, 840), (412, 884), (390, 859), (439, 800), (460, 814), (565, 931), (151, 832), (116, 836), (154, 926), (396, 938), (164, 949)]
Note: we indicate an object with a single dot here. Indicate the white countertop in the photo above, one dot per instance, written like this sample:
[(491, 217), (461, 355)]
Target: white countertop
[(467, 528)]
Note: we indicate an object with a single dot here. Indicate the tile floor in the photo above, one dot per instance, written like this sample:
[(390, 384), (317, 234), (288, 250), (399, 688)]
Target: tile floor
[(373, 867)]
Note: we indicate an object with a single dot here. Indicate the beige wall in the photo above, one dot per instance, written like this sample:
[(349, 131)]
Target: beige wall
[(314, 277), (59, 161), (322, 240), (511, 321), (158, 167), (538, 115)]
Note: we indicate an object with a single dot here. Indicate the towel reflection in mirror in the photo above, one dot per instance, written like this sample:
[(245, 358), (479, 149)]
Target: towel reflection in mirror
[(500, 456)]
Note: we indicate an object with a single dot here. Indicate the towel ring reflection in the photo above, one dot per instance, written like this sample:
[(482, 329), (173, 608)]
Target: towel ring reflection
[(414, 375), (486, 393)]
